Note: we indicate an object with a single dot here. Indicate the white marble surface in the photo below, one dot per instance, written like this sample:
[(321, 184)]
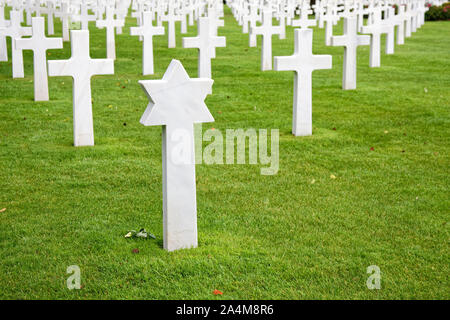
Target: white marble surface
[(147, 31), (39, 43), (64, 15), (266, 30), (16, 31), (110, 24), (350, 41), (303, 62), (81, 68), (376, 29), (171, 19), (206, 43), (3, 45), (177, 102), (249, 23)]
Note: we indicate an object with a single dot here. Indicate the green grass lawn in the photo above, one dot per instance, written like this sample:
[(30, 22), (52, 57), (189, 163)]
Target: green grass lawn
[(296, 235)]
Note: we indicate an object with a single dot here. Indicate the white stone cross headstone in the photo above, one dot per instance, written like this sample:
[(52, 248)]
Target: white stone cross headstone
[(376, 29), (39, 43), (37, 8), (422, 9), (176, 103), (303, 21), (63, 14), (122, 13), (281, 16), (214, 23), (390, 27), (110, 24), (50, 11), (147, 31), (251, 20), (171, 18), (3, 24), (28, 6), (84, 17), (359, 11), (81, 68), (303, 62), (319, 11), (266, 30), (16, 31), (350, 40), (330, 18), (183, 18), (399, 21), (206, 44)]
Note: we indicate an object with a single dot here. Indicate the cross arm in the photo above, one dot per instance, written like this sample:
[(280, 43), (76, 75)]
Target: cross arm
[(100, 24), (136, 31), (22, 44), (323, 61), (191, 42), (220, 41), (54, 43), (337, 41), (256, 30), (57, 68), (363, 40), (158, 31), (277, 29), (286, 63), (119, 23), (101, 67)]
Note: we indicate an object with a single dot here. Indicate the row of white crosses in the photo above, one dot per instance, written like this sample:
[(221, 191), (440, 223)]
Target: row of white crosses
[(206, 41), (79, 67), (13, 28), (176, 102), (303, 62)]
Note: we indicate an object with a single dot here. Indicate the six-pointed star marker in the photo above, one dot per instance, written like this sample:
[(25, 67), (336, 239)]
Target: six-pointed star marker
[(176, 98)]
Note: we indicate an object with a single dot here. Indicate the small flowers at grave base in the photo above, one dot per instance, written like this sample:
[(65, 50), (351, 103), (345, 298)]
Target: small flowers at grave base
[(141, 234)]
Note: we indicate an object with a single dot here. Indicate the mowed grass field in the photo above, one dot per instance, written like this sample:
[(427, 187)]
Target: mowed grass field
[(299, 234)]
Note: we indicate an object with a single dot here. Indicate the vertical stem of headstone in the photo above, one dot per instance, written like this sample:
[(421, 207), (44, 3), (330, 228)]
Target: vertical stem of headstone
[(204, 64), (266, 56), (401, 33), (3, 45), (374, 50), (50, 25), (179, 193), (40, 76), (110, 43), (83, 127), (302, 111), (17, 61), (3, 49), (171, 31), (65, 30), (147, 57), (328, 32), (349, 74)]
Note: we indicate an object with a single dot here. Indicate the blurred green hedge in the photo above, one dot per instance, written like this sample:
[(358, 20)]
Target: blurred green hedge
[(438, 12)]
